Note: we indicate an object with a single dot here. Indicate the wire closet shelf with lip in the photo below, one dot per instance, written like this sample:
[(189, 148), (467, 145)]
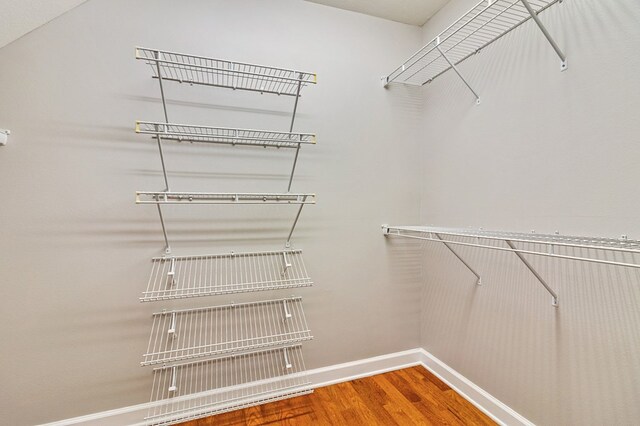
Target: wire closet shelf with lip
[(583, 249), (483, 24)]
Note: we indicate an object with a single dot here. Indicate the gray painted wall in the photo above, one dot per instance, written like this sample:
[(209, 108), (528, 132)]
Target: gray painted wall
[(547, 151), (74, 248)]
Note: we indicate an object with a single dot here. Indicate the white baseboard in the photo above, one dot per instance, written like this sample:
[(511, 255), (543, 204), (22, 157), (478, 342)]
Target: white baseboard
[(338, 373)]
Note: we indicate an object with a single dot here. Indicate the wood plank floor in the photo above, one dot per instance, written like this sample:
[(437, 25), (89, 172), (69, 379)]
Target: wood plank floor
[(412, 396)]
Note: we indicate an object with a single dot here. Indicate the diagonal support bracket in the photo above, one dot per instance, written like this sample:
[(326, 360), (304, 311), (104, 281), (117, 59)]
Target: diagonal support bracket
[(453, 66), (479, 280), (552, 42), (554, 296)]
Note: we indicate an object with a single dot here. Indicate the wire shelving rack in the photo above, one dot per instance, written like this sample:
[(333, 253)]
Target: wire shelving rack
[(533, 244), (248, 353), (483, 24), (179, 277), (180, 335), (199, 389)]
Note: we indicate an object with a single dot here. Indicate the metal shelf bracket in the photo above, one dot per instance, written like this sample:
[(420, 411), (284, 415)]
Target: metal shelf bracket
[(453, 66), (479, 280), (552, 42), (554, 300)]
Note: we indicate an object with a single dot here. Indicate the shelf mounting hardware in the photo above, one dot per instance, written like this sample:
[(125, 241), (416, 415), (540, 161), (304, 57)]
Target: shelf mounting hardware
[(287, 314), (285, 354), (174, 377), (554, 300), (479, 280), (453, 66), (552, 42), (172, 326), (286, 262), (551, 243)]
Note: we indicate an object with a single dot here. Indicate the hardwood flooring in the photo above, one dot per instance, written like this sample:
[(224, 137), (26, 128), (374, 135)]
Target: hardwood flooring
[(412, 396)]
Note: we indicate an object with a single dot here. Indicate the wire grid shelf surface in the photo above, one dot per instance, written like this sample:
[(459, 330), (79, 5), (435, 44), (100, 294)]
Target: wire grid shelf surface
[(486, 22), (201, 70), (193, 333), (208, 275), (165, 197), (597, 243), (205, 388), (224, 135)]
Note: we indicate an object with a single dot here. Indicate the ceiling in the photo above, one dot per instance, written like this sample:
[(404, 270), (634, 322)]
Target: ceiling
[(413, 12), (18, 17)]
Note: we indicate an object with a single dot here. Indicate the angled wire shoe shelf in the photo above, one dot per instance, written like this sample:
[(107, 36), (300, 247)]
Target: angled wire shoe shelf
[(209, 275), (548, 245), (250, 352), (223, 135), (199, 389), (483, 24), (179, 335)]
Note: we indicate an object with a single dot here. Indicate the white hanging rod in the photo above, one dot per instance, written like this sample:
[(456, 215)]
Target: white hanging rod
[(224, 135), (483, 24), (165, 197), (201, 70), (179, 335), (179, 277), (193, 390)]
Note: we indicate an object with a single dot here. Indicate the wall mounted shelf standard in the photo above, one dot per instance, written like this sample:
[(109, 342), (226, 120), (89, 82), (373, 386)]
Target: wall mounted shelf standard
[(179, 335), (189, 391), (210, 275), (483, 24), (549, 245)]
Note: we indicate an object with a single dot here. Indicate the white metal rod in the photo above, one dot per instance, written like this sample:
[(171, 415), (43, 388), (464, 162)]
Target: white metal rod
[(552, 42), (166, 118), (479, 280), (287, 364), (293, 117), (286, 262), (559, 256), (295, 222), (174, 377), (287, 314), (167, 247), (534, 272), (458, 72)]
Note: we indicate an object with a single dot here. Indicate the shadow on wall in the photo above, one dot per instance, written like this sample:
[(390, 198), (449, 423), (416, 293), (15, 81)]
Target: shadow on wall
[(581, 358)]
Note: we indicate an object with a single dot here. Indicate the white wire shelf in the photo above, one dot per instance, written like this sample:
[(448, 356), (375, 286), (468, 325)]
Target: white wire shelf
[(200, 389), (223, 135), (166, 197), (217, 274), (201, 70), (180, 335), (622, 244), (483, 24), (584, 249)]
